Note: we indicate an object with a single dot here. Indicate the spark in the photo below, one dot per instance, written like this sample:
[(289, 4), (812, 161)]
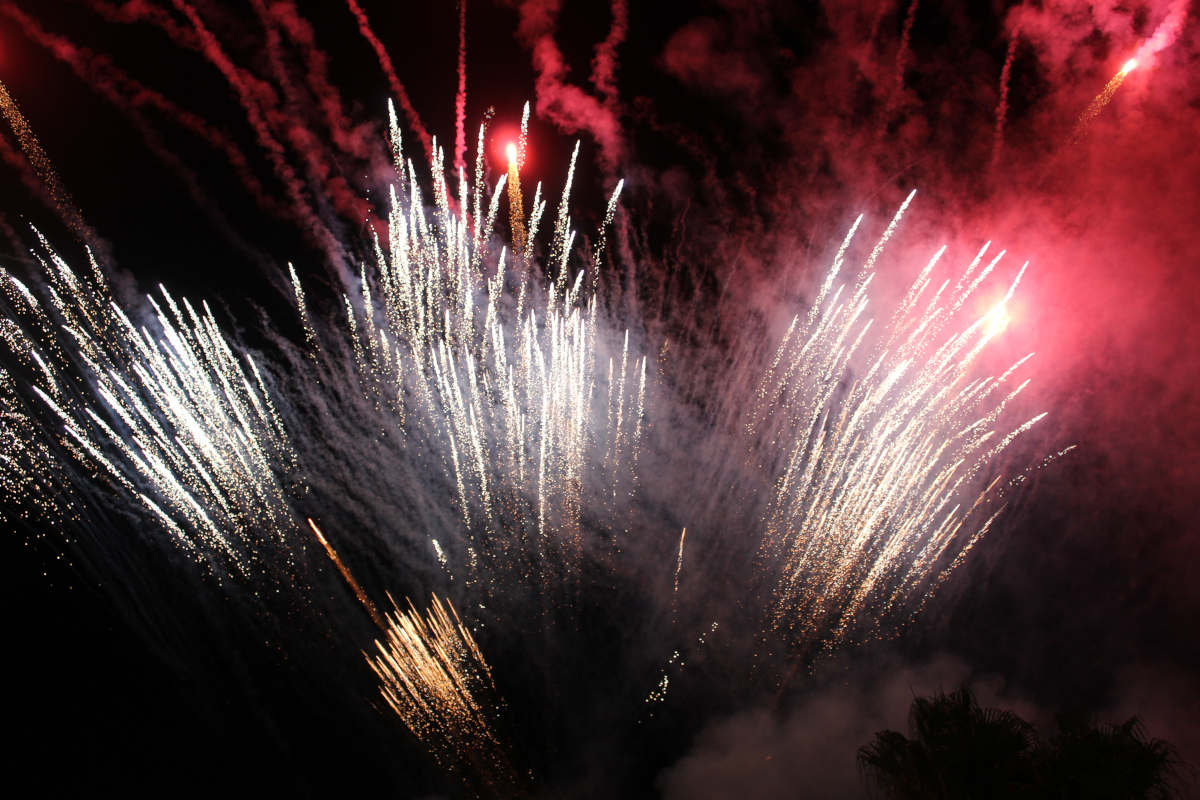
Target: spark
[(510, 392), (165, 409)]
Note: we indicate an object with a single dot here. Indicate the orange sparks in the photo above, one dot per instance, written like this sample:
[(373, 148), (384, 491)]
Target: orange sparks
[(342, 568), (516, 203)]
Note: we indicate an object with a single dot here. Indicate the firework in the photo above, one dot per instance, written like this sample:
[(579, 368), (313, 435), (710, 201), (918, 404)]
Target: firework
[(164, 410), (433, 675), (365, 601), (479, 361), (679, 560), (487, 363), (487, 368), (1101, 100), (878, 463)]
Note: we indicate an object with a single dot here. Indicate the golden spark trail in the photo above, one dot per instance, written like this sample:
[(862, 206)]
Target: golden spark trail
[(1101, 100), (64, 204), (342, 568), (516, 205), (679, 560)]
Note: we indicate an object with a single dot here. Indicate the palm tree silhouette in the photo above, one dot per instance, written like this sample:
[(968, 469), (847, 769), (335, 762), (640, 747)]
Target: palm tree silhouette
[(1085, 759), (956, 750)]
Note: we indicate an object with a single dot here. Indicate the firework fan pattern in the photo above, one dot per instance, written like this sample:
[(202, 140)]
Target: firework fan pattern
[(470, 417)]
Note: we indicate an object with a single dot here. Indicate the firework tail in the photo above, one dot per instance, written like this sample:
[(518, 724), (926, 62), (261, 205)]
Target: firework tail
[(365, 601)]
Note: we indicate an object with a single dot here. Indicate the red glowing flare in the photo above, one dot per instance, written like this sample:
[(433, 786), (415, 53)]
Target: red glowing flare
[(511, 152), (1129, 66)]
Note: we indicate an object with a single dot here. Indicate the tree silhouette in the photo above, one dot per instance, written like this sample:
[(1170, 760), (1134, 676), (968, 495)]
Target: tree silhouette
[(1084, 759), (956, 750)]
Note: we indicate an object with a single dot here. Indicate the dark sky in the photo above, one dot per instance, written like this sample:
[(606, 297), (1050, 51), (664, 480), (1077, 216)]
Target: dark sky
[(750, 134)]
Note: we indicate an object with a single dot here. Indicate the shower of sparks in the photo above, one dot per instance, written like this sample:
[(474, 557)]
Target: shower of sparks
[(496, 374), (433, 675), (511, 392), (163, 411), (881, 442), (507, 383), (29, 471), (675, 663)]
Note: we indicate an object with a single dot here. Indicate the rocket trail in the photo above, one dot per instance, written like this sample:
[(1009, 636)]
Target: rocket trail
[(1101, 100), (32, 148), (353, 584)]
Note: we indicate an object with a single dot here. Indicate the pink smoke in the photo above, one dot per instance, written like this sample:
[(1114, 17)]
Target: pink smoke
[(563, 103), (1167, 31)]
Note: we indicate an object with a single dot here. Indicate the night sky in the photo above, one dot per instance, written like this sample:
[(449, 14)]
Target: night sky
[(750, 134)]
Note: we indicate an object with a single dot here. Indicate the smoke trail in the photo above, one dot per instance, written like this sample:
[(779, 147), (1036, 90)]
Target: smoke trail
[(351, 139), (129, 94), (11, 235), (337, 191), (460, 96), (565, 104), (141, 11), (1166, 33), (399, 94), (903, 53), (604, 63), (246, 88), (1002, 105), (98, 72)]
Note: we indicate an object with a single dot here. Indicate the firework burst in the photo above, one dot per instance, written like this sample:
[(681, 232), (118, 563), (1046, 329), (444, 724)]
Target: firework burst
[(434, 676), (466, 399), (881, 434), (500, 377), (166, 411)]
